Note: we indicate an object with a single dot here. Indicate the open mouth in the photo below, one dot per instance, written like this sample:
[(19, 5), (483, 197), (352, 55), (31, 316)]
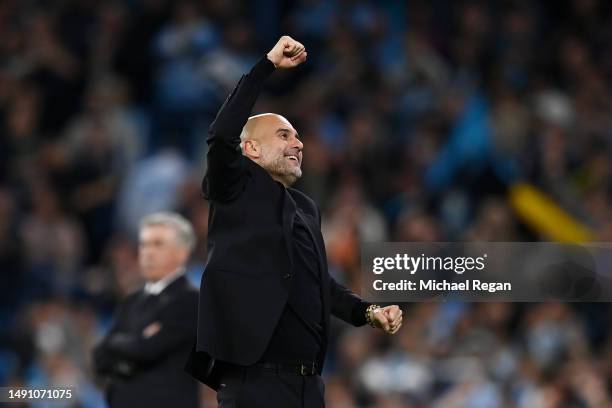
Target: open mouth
[(294, 158)]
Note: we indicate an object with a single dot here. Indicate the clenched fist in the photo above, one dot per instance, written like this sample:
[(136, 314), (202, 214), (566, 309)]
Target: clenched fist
[(387, 318), (287, 53)]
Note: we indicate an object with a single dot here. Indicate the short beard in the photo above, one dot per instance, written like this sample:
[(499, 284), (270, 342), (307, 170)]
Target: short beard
[(279, 169)]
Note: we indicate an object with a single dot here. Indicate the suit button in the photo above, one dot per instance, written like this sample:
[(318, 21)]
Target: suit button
[(287, 276)]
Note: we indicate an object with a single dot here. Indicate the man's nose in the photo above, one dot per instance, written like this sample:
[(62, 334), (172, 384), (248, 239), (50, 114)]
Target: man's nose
[(298, 144)]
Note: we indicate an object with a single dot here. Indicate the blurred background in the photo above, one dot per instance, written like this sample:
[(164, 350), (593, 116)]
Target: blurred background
[(433, 120)]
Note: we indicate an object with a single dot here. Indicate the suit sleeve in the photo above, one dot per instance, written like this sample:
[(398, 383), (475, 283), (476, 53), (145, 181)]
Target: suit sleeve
[(346, 305), (178, 329), (104, 361), (224, 177)]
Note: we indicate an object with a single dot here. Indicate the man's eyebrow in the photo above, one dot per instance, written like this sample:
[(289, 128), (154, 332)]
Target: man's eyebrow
[(288, 130), (280, 130)]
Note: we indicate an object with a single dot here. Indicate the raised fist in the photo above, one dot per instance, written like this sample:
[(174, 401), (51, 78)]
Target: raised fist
[(287, 53)]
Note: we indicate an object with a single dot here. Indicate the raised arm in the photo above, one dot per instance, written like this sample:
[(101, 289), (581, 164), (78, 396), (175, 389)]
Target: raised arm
[(225, 174)]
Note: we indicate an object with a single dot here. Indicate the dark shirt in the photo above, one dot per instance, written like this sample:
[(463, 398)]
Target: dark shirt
[(298, 337)]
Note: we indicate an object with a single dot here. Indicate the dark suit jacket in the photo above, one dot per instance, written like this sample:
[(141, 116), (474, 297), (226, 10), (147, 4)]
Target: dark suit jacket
[(150, 371), (249, 271)]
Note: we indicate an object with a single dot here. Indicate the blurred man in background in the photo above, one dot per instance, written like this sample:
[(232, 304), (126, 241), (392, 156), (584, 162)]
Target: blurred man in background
[(144, 352)]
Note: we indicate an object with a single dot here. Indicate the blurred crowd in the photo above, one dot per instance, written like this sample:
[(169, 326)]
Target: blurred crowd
[(416, 117)]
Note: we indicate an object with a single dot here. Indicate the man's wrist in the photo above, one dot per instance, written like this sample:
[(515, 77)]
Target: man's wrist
[(262, 69), (369, 314), (270, 59)]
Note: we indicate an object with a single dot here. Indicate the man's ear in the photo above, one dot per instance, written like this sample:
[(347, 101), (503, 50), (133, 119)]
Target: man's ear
[(252, 149)]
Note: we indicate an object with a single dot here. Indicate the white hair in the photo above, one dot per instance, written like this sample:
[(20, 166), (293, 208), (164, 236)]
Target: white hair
[(184, 229)]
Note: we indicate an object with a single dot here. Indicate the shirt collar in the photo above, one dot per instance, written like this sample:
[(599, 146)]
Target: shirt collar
[(155, 288)]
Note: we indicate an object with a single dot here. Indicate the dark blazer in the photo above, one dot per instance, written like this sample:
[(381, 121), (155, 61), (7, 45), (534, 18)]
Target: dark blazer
[(149, 371), (248, 276)]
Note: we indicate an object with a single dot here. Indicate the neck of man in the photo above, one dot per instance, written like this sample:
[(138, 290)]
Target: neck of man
[(280, 179), (284, 179)]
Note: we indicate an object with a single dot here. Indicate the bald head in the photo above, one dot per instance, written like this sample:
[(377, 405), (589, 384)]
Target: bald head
[(259, 125), (272, 142)]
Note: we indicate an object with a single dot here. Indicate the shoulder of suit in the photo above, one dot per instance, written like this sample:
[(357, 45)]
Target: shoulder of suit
[(181, 293), (188, 289), (254, 167), (127, 300), (183, 284), (305, 202), (133, 294)]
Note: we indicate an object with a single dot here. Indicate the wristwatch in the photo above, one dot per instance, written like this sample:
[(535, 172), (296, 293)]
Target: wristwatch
[(370, 313)]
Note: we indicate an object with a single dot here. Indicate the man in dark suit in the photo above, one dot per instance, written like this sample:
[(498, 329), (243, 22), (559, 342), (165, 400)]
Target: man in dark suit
[(266, 295), (144, 353)]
